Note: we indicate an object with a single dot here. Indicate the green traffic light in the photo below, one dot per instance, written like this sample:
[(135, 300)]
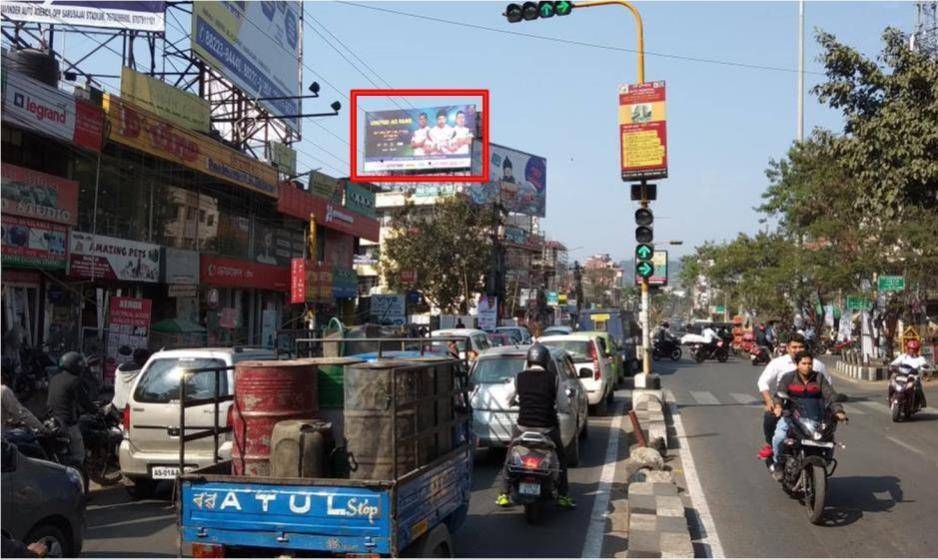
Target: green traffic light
[(545, 8), (644, 251), (645, 269), (563, 7)]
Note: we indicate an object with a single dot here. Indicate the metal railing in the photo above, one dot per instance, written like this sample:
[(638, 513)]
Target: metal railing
[(215, 431)]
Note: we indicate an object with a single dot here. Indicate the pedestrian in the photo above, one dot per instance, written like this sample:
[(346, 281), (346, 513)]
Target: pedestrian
[(459, 323)]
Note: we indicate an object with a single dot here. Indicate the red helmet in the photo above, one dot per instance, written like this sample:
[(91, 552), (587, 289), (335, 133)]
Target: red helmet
[(913, 344)]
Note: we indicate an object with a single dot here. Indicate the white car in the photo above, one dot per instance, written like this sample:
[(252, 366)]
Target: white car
[(475, 340), (494, 417), (594, 367), (519, 334), (150, 449)]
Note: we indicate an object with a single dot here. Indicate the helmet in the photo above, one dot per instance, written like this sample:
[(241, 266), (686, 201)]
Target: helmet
[(141, 354), (665, 325), (538, 355), (72, 362), (913, 344)]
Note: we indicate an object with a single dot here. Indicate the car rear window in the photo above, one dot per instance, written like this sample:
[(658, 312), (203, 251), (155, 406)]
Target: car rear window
[(160, 382), (578, 349), (497, 369)]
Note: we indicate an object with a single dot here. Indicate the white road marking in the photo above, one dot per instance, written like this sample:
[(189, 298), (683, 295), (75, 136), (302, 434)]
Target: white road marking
[(709, 538), (930, 410), (876, 406), (853, 410), (593, 546), (705, 398), (906, 445), (745, 399)]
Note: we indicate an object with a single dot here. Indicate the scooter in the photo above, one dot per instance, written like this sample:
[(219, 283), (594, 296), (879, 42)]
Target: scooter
[(905, 393), (533, 472)]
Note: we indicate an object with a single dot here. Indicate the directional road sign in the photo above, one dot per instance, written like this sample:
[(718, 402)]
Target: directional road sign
[(891, 283)]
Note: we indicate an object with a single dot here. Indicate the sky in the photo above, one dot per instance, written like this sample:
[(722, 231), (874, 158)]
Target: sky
[(725, 122)]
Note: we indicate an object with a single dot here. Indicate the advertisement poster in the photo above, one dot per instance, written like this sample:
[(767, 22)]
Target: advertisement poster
[(184, 109), (388, 310), (487, 309), (128, 324), (430, 138), (359, 199), (138, 15), (257, 46), (344, 283), (283, 157), (33, 243), (643, 131), (519, 180), (32, 194), (40, 107), (97, 256), (274, 245)]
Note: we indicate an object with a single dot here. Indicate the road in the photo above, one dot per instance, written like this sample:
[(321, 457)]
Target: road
[(883, 496)]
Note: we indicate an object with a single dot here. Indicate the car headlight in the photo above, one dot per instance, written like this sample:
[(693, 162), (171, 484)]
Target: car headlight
[(74, 476)]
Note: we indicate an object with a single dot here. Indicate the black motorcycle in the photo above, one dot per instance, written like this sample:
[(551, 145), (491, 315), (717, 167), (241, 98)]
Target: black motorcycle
[(533, 472), (50, 444), (667, 347), (716, 350), (102, 436)]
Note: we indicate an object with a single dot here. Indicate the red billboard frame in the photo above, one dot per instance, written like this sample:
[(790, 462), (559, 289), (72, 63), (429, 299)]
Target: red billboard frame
[(353, 151)]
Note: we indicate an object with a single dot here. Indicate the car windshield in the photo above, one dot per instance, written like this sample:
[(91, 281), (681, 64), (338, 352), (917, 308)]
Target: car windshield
[(514, 333), (444, 345), (578, 349), (160, 382), (497, 369)]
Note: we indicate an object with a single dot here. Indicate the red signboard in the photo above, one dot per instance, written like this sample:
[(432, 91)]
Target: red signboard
[(643, 131), (297, 281), (409, 277), (89, 125), (310, 281), (300, 204), (36, 195), (33, 243), (228, 272), (128, 311)]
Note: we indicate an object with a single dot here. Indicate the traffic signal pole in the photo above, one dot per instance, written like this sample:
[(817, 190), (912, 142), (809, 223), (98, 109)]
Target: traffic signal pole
[(646, 323), (639, 30)]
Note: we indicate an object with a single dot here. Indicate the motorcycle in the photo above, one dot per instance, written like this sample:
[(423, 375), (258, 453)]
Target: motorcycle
[(50, 444), (533, 472), (905, 393), (666, 347), (102, 435), (807, 459), (716, 350), (759, 355)]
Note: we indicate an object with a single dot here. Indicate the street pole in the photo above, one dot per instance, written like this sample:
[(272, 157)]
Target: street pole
[(646, 326), (800, 70)]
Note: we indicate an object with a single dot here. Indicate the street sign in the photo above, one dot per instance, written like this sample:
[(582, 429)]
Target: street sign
[(858, 303), (720, 309), (891, 283), (644, 251), (552, 298)]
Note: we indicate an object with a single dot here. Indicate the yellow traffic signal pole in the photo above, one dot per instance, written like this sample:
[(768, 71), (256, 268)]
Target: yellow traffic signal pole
[(638, 28)]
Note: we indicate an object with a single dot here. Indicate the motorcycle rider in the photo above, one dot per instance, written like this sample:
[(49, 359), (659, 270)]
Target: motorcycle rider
[(68, 400), (536, 390), (15, 413), (912, 359), (793, 388), (126, 375), (768, 381), (664, 332)]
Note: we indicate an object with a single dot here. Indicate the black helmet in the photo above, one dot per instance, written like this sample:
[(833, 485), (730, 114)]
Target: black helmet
[(538, 355), (72, 362), (141, 354)]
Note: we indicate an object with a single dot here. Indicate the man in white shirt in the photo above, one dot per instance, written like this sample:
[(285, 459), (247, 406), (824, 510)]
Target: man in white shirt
[(421, 136), (911, 357), (768, 383), (462, 136), (440, 135)]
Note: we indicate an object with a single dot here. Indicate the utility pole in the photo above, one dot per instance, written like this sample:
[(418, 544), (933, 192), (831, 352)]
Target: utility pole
[(800, 70)]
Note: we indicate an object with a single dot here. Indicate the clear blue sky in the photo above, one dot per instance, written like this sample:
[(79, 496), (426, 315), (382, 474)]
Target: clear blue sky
[(559, 100)]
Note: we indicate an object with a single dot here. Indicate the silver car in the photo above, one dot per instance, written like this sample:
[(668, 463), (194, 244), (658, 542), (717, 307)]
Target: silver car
[(493, 416)]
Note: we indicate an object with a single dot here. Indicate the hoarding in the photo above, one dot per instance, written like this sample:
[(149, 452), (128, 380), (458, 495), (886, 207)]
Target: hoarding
[(643, 131), (360, 200), (137, 15), (283, 157), (410, 139), (128, 325), (36, 195), (519, 181), (256, 45), (33, 243), (97, 256), (184, 109), (388, 309)]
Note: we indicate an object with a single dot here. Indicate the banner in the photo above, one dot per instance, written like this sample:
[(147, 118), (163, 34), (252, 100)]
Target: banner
[(138, 15), (128, 325), (36, 106), (97, 256), (388, 309), (146, 132), (181, 108), (257, 46), (487, 309), (32, 194), (228, 272), (283, 157), (519, 182), (344, 283), (430, 138), (33, 243), (643, 131), (359, 199)]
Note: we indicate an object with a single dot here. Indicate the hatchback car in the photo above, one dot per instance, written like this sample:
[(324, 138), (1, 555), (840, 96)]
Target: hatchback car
[(476, 341), (557, 331), (150, 449), (519, 334), (494, 415), (594, 365)]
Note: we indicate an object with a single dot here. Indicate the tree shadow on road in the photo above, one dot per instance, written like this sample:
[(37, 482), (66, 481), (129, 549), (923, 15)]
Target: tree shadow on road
[(849, 497)]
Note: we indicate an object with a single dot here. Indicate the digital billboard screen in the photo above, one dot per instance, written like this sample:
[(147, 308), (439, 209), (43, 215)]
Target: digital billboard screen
[(519, 182), (428, 138)]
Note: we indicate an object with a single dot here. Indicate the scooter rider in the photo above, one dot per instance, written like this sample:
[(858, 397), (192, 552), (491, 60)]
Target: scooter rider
[(536, 389), (68, 400), (913, 359)]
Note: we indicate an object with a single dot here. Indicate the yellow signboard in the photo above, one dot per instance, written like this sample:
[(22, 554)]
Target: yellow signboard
[(178, 107), (643, 131), (600, 317)]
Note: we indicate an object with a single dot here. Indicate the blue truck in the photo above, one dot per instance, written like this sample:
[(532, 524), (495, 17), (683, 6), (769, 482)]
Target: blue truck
[(223, 515)]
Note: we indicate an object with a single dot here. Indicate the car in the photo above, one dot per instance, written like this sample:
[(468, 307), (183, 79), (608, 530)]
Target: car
[(478, 340), (498, 339), (493, 415), (42, 501), (609, 347), (594, 365), (622, 328), (519, 334), (150, 449), (557, 331)]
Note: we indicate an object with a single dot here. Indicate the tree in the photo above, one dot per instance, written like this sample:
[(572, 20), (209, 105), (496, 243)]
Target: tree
[(448, 245)]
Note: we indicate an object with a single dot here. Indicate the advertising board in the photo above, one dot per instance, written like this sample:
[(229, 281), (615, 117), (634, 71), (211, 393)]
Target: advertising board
[(518, 180), (97, 256), (359, 199), (128, 324), (428, 138), (388, 309), (643, 131), (33, 243), (36, 195), (256, 45), (229, 272), (181, 108), (283, 157), (138, 15), (36, 106), (487, 309)]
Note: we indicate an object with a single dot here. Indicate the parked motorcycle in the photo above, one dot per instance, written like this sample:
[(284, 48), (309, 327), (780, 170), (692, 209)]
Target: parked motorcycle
[(905, 392), (533, 472), (717, 350), (667, 347), (759, 355)]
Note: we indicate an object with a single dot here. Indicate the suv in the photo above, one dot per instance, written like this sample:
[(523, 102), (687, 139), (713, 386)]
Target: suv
[(150, 449)]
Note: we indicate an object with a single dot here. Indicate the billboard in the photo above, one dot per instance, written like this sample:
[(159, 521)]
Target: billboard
[(138, 14), (32, 194), (97, 256), (33, 243), (643, 131), (519, 180), (411, 139), (256, 45), (184, 109)]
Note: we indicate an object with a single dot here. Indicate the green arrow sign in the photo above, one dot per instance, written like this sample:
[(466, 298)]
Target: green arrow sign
[(546, 9), (645, 269), (644, 251), (563, 7)]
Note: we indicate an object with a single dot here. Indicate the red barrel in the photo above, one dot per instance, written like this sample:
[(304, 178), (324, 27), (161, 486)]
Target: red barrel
[(267, 392)]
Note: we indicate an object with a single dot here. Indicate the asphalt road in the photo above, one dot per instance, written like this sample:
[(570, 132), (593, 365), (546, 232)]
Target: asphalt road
[(883, 498)]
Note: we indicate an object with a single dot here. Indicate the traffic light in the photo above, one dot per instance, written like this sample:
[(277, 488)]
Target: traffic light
[(644, 267), (529, 11), (643, 222)]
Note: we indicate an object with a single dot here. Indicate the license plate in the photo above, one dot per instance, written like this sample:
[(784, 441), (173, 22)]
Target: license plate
[(533, 489), (167, 472), (807, 442)]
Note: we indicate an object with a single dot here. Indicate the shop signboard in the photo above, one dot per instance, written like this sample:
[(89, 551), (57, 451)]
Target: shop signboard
[(324, 186), (257, 46), (519, 182), (142, 130), (128, 324), (36, 195), (180, 267), (344, 283), (182, 291), (427, 138), (138, 15), (359, 199), (487, 310), (229, 272), (36, 106), (301, 205), (297, 281), (181, 108), (33, 243), (890, 283), (643, 131), (97, 256), (409, 277), (389, 309), (283, 157)]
